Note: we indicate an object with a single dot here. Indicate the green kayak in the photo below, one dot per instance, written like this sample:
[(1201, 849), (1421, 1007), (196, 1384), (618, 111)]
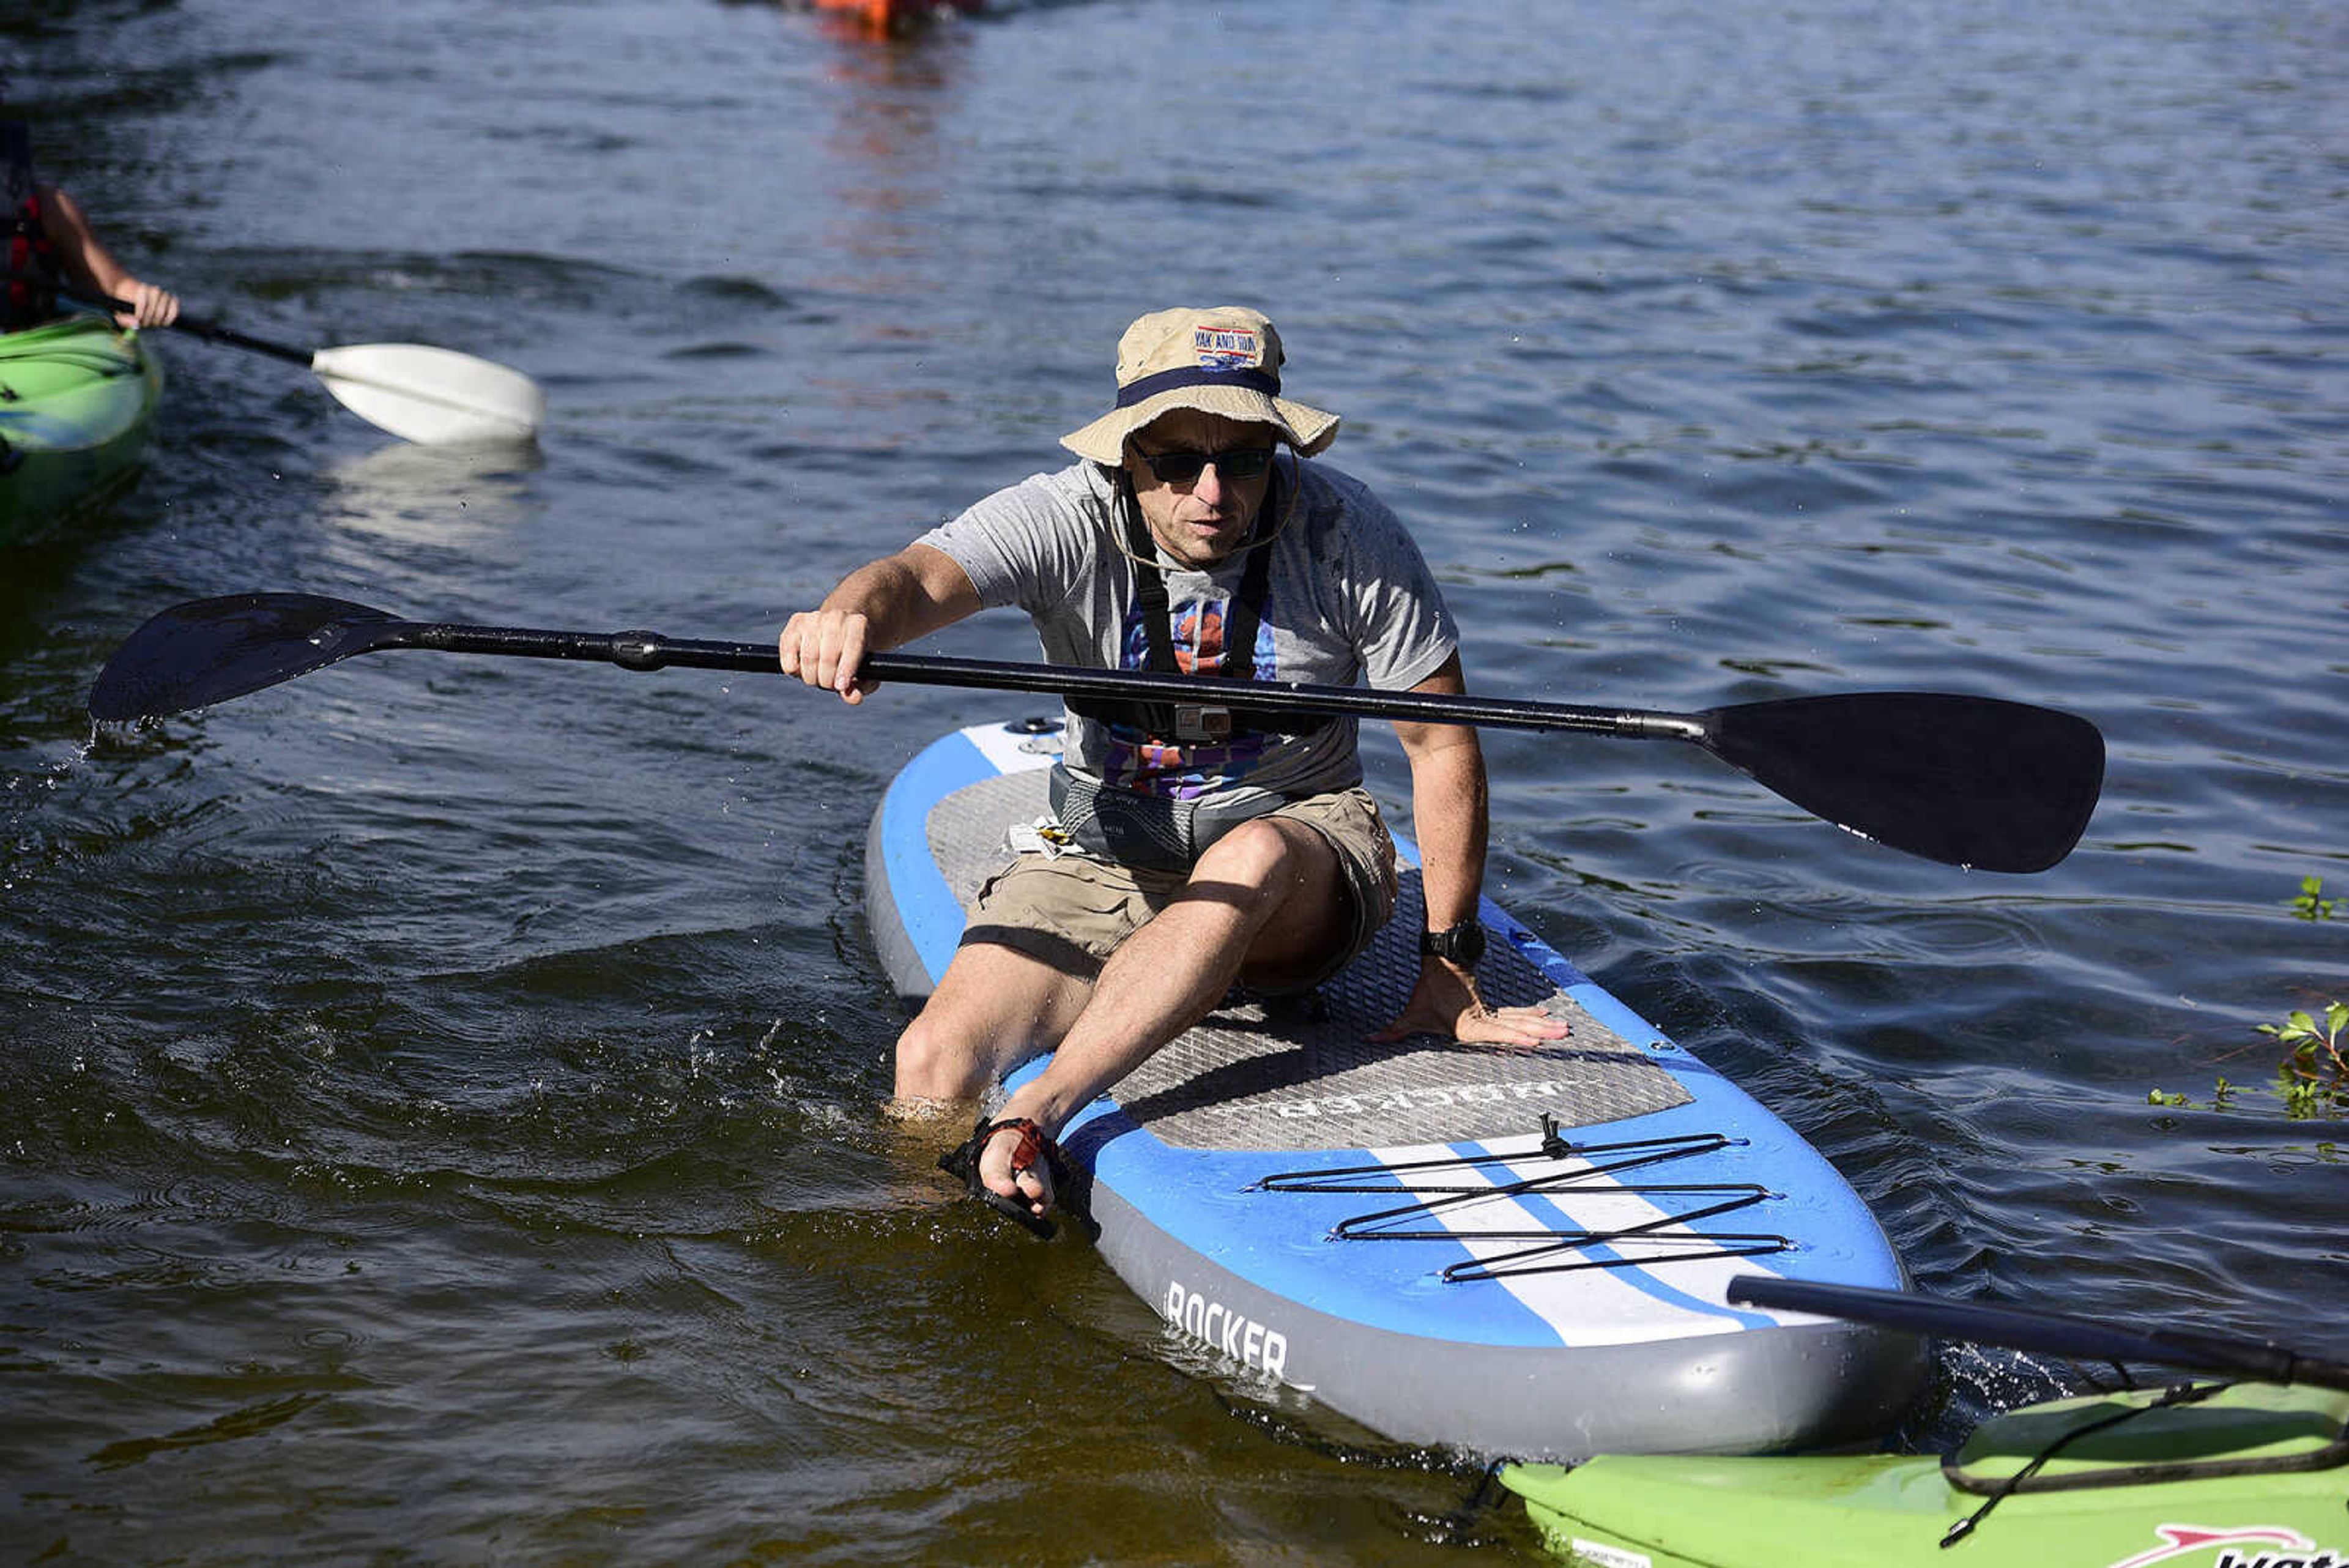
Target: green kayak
[(2252, 1476), (76, 396), (2248, 1473)]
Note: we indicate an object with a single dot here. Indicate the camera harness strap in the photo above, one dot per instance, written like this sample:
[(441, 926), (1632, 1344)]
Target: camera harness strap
[(1149, 830), (1241, 619), (1186, 723)]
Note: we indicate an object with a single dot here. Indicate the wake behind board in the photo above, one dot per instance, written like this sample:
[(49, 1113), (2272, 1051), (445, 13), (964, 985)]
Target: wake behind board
[(1511, 1251)]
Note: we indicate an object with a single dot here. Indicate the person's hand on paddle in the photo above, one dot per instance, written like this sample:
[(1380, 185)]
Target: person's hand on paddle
[(882, 605), (149, 306), (826, 648), (1445, 1001)]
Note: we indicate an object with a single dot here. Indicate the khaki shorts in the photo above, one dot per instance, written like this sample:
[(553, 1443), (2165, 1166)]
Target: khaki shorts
[(1073, 910)]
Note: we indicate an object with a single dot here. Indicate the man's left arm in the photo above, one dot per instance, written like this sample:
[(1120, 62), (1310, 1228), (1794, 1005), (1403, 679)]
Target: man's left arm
[(1449, 818)]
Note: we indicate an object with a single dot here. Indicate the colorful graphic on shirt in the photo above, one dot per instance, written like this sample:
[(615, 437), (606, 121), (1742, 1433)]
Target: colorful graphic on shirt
[(1185, 771)]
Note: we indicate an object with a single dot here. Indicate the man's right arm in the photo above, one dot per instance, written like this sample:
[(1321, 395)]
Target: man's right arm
[(89, 264), (878, 606)]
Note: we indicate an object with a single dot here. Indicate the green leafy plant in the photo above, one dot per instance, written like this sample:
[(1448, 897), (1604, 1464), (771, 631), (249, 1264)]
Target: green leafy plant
[(2314, 1075), (2311, 1040)]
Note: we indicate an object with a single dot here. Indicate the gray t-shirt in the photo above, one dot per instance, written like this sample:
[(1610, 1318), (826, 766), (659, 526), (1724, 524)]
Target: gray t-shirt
[(1350, 599)]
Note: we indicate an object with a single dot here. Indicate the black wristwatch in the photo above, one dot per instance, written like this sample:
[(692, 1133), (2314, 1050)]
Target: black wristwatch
[(1462, 944)]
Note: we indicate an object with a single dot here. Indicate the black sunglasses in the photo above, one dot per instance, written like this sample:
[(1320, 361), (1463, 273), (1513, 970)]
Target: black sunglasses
[(1182, 467)]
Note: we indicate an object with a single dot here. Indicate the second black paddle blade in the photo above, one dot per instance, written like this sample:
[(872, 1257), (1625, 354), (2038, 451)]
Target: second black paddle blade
[(1969, 780), (193, 655)]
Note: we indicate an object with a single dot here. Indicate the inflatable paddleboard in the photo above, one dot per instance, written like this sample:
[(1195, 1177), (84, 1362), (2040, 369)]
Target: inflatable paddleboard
[(1513, 1252)]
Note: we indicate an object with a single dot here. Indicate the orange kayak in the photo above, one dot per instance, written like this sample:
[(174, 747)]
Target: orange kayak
[(894, 15)]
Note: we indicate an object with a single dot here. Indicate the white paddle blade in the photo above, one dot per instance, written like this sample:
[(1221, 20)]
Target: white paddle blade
[(435, 397)]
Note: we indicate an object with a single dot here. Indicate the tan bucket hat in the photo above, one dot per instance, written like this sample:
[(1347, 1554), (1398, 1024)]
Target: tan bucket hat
[(1223, 361)]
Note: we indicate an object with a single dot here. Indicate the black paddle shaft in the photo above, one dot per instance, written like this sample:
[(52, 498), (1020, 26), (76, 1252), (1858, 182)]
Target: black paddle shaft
[(2052, 1333), (211, 331), (1968, 781), (195, 655)]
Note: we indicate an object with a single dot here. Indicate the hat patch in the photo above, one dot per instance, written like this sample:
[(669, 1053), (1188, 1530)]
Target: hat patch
[(1227, 348)]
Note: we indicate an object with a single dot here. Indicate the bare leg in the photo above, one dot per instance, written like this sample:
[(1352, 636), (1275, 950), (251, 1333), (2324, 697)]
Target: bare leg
[(1264, 902), (994, 1009)]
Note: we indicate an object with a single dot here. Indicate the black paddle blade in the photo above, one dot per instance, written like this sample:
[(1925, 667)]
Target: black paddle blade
[(1968, 781), (193, 655)]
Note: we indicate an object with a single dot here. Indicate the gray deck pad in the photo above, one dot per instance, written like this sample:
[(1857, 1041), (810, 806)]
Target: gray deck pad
[(1300, 1074)]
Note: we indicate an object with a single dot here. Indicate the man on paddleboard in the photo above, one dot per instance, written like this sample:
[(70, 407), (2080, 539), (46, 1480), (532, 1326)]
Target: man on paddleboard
[(1191, 847)]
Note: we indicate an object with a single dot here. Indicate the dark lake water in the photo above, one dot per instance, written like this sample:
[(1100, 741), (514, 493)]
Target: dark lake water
[(439, 1099)]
